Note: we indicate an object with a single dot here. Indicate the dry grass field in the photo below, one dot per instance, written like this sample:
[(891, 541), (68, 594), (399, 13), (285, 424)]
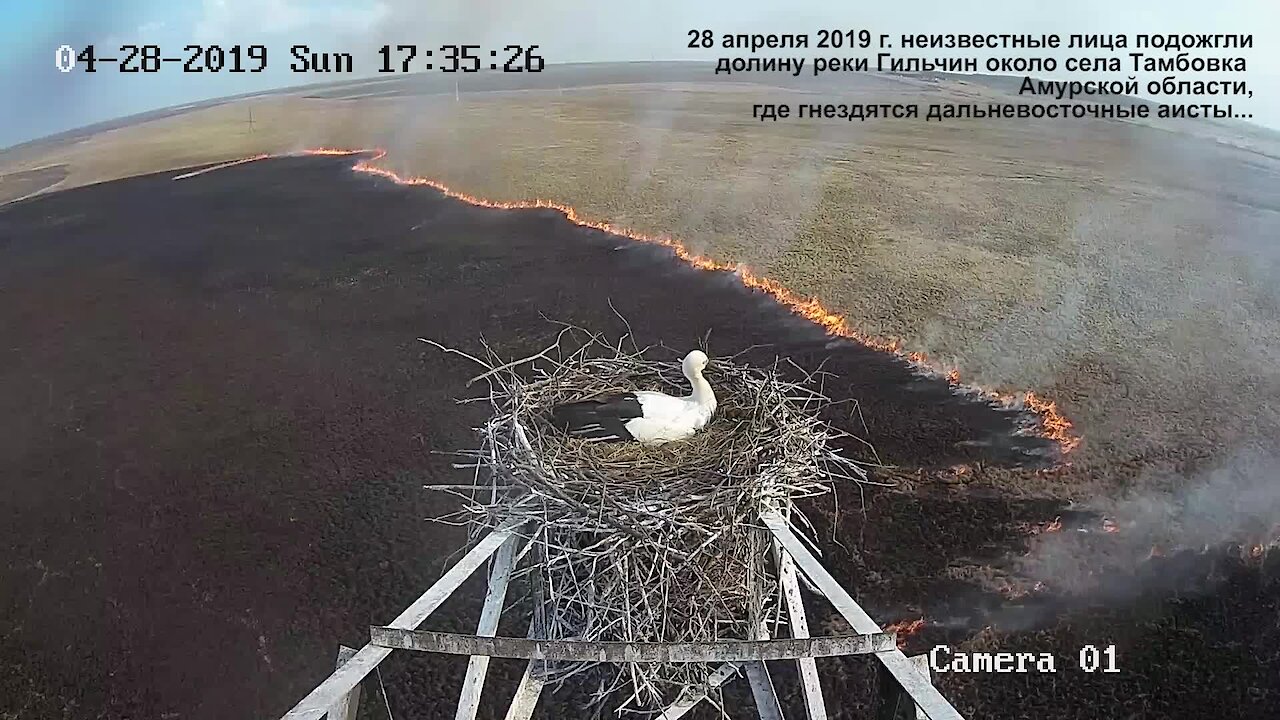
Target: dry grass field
[(1125, 271), (217, 402)]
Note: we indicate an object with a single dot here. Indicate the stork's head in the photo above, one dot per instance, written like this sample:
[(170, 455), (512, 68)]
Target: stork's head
[(694, 363)]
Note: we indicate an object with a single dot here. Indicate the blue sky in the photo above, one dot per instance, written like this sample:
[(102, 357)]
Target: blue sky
[(38, 100)]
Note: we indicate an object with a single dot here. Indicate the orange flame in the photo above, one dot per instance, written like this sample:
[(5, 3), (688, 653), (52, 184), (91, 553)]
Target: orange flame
[(1052, 424), (341, 151), (905, 629), (1037, 528)]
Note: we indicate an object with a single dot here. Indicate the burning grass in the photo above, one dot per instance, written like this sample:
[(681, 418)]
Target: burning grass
[(649, 543), (905, 629), (1050, 422)]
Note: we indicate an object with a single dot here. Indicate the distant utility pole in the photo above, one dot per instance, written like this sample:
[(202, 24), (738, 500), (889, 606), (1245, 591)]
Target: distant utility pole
[(456, 97), (250, 119)]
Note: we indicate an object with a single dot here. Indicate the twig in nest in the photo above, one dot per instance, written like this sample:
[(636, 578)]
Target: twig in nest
[(644, 543)]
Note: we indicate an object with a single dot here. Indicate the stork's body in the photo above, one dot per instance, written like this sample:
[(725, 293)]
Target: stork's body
[(643, 416)]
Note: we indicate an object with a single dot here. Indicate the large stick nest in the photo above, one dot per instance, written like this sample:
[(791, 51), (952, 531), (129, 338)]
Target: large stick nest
[(641, 543)]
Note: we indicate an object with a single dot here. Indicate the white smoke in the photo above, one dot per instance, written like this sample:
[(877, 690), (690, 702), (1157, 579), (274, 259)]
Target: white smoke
[(1235, 500)]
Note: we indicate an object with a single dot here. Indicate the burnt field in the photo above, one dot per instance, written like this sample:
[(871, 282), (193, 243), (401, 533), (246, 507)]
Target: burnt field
[(217, 420)]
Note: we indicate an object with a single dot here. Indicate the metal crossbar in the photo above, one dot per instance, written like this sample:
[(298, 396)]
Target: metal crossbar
[(339, 692), (919, 687), (630, 652), (345, 678)]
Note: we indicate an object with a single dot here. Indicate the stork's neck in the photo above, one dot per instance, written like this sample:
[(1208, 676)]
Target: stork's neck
[(702, 393)]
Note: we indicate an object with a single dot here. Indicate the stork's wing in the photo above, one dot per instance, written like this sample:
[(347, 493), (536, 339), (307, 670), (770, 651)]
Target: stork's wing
[(601, 418), (660, 406)]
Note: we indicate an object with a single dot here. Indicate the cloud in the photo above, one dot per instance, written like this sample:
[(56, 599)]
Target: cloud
[(235, 20)]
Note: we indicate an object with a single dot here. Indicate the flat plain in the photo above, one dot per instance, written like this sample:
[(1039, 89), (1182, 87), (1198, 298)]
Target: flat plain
[(1126, 271)]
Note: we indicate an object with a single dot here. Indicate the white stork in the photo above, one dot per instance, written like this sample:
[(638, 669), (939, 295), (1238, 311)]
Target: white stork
[(644, 416)]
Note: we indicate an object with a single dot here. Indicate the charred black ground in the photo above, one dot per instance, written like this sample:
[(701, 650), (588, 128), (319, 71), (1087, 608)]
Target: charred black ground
[(215, 422)]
